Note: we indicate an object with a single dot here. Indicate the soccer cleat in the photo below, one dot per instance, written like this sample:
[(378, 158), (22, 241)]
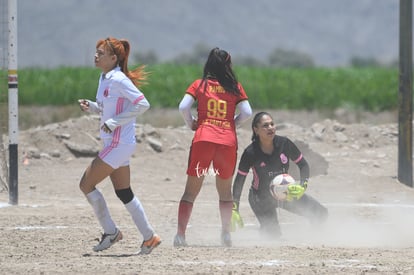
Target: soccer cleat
[(148, 246), (226, 239), (179, 240), (108, 240)]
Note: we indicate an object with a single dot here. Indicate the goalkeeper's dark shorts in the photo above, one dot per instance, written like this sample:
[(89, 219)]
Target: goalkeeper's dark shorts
[(265, 207)]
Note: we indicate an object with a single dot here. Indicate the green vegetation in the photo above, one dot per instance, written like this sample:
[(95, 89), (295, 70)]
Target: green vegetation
[(371, 89)]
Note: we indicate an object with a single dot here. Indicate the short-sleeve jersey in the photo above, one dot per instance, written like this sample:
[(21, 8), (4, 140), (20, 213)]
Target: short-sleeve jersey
[(264, 166), (116, 93), (216, 109)]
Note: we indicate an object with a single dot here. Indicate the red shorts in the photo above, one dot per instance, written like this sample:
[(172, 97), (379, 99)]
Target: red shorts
[(202, 153)]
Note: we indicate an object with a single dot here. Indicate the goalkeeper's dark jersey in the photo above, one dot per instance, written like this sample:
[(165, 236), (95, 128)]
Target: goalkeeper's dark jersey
[(265, 167)]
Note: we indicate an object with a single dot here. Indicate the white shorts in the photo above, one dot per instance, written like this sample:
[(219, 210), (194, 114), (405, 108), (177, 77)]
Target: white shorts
[(116, 155)]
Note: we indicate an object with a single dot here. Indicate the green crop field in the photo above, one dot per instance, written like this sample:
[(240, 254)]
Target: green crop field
[(370, 89)]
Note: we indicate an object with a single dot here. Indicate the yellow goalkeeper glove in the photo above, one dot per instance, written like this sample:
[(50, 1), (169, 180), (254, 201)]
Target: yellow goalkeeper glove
[(304, 184), (236, 219), (295, 192)]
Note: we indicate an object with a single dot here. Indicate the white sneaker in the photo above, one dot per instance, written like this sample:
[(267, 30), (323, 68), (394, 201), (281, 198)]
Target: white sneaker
[(226, 239), (149, 245), (108, 240)]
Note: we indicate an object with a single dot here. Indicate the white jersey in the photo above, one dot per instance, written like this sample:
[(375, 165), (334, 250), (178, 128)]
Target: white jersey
[(119, 102)]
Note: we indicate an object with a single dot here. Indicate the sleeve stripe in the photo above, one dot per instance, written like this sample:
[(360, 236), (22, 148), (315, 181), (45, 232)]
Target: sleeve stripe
[(242, 173), (138, 99), (298, 159)]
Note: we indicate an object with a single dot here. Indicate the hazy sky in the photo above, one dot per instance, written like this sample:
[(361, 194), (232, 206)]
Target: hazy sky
[(54, 33)]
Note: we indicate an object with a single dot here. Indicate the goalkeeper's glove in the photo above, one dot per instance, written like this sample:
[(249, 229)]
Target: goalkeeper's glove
[(295, 192), (304, 184), (236, 219)]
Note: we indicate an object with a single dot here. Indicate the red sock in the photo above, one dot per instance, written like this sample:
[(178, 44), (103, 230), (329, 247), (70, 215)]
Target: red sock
[(225, 213), (184, 213)]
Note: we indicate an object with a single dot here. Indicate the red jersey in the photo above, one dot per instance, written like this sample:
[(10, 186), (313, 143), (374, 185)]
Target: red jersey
[(216, 110)]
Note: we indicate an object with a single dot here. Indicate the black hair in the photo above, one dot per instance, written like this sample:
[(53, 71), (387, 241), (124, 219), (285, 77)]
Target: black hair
[(255, 122), (218, 66)]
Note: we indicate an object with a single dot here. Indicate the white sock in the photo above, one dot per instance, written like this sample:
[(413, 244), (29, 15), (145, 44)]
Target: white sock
[(96, 199), (137, 212)]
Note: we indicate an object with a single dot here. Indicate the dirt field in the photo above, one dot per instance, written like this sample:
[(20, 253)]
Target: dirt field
[(353, 172)]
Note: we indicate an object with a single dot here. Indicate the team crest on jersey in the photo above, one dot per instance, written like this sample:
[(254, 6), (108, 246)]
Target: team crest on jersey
[(283, 158), (106, 92)]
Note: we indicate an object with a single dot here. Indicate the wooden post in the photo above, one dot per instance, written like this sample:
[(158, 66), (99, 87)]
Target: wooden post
[(405, 96), (13, 103)]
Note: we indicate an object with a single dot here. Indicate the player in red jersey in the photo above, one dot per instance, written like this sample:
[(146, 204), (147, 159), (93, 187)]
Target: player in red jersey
[(218, 94)]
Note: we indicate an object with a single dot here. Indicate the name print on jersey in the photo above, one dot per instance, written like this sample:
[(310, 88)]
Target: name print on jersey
[(216, 89)]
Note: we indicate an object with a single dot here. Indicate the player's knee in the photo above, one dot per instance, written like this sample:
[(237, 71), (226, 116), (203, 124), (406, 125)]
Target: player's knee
[(125, 195), (84, 187)]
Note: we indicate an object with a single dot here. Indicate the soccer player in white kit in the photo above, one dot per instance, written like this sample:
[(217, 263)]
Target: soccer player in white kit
[(119, 102)]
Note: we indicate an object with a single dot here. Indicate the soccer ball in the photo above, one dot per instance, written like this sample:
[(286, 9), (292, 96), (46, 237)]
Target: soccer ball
[(279, 186)]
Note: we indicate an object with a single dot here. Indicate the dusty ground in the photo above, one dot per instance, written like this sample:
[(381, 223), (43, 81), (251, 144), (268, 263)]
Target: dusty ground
[(353, 167)]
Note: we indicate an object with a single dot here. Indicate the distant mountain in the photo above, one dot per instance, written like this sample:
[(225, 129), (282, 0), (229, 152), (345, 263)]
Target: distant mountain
[(53, 33)]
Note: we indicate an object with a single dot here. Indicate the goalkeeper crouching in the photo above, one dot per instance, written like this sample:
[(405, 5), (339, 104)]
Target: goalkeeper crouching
[(268, 156)]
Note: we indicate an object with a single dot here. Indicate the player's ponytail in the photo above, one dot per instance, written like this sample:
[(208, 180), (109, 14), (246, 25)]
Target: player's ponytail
[(121, 48), (218, 66), (138, 75)]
